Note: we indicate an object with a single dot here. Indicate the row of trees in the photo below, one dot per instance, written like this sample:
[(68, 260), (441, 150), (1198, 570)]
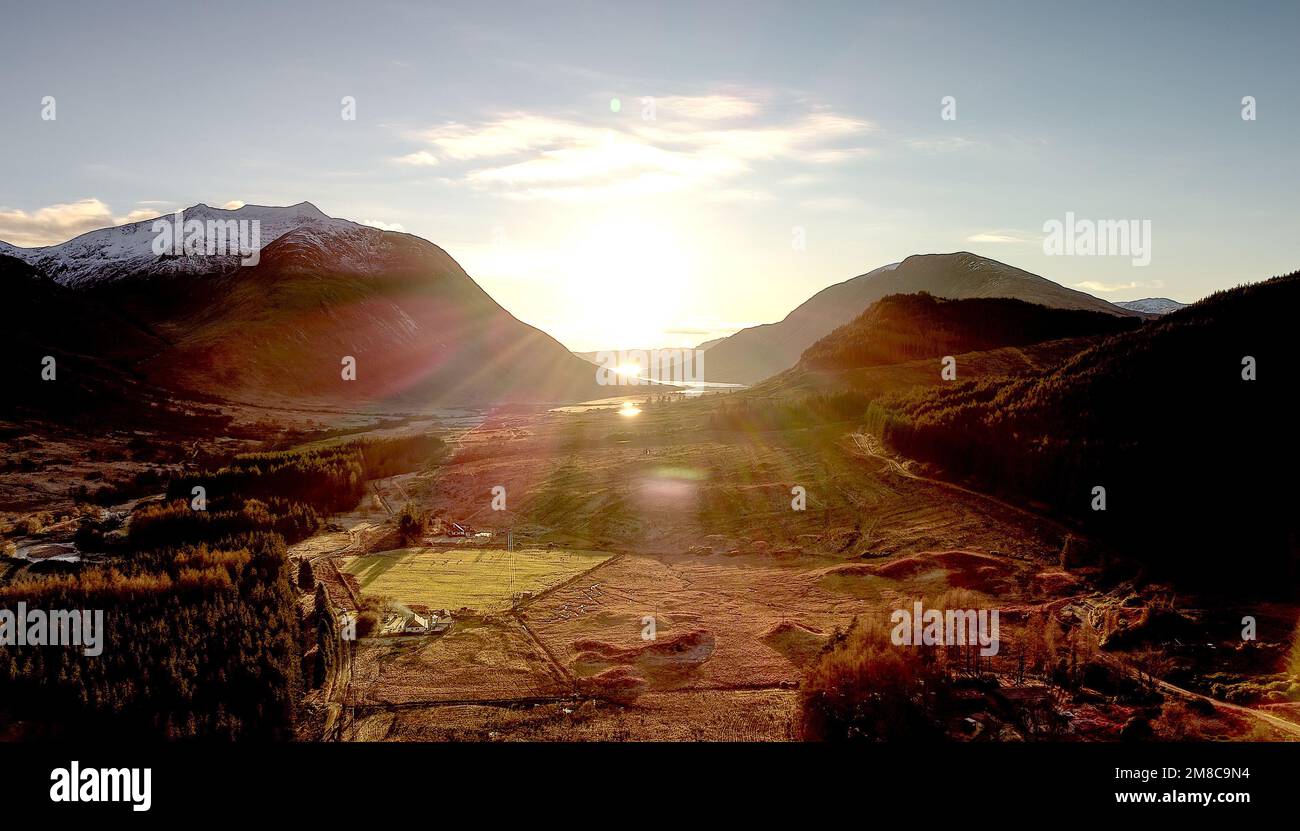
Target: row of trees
[(175, 523), (199, 641), (202, 629), (330, 478)]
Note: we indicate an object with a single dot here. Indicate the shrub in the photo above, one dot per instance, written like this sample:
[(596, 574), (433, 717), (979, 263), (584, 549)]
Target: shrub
[(863, 687)]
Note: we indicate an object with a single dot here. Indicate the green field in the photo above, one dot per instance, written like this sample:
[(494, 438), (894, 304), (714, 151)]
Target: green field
[(481, 579)]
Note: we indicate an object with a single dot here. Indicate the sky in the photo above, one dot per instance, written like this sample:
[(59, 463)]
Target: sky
[(636, 175)]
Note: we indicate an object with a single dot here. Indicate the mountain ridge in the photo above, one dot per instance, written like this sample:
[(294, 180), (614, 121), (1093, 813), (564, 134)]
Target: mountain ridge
[(1152, 305), (117, 251), (758, 352), (322, 290), (905, 327)]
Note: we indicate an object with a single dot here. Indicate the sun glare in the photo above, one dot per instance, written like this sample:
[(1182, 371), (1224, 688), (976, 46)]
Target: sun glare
[(628, 370), (633, 276)]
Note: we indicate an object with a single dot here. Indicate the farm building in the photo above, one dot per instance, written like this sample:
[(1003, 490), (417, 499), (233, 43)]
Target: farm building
[(412, 621)]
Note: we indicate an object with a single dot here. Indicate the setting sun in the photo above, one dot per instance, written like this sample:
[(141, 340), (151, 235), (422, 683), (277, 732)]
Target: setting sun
[(636, 275), (628, 370)]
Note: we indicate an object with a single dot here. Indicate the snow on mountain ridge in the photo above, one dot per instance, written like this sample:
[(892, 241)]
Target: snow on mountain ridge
[(340, 245), (1152, 305), (119, 251)]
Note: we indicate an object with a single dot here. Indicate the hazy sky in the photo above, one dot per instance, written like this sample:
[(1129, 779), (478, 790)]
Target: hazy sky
[(490, 130)]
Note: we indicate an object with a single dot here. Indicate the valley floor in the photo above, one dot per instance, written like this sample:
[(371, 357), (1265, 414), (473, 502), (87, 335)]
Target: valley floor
[(714, 594), (591, 574)]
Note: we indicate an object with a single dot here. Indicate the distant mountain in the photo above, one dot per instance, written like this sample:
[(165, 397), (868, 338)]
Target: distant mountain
[(755, 353), (420, 330), (907, 327), (667, 372), (1152, 305), (591, 355), (1186, 423)]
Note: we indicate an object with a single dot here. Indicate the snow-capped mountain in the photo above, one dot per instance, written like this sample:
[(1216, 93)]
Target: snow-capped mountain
[(1152, 305), (322, 293), (128, 250)]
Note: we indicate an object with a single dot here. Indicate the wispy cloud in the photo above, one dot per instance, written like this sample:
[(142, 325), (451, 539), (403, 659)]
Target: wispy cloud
[(507, 135), (838, 154), (739, 195), (1107, 288), (1002, 237), (420, 158), (690, 142), (63, 221), (706, 107), (800, 180)]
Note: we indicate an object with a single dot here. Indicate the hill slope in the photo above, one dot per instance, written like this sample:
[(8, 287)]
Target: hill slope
[(906, 327), (1194, 459), (421, 331), (91, 348), (753, 354)]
